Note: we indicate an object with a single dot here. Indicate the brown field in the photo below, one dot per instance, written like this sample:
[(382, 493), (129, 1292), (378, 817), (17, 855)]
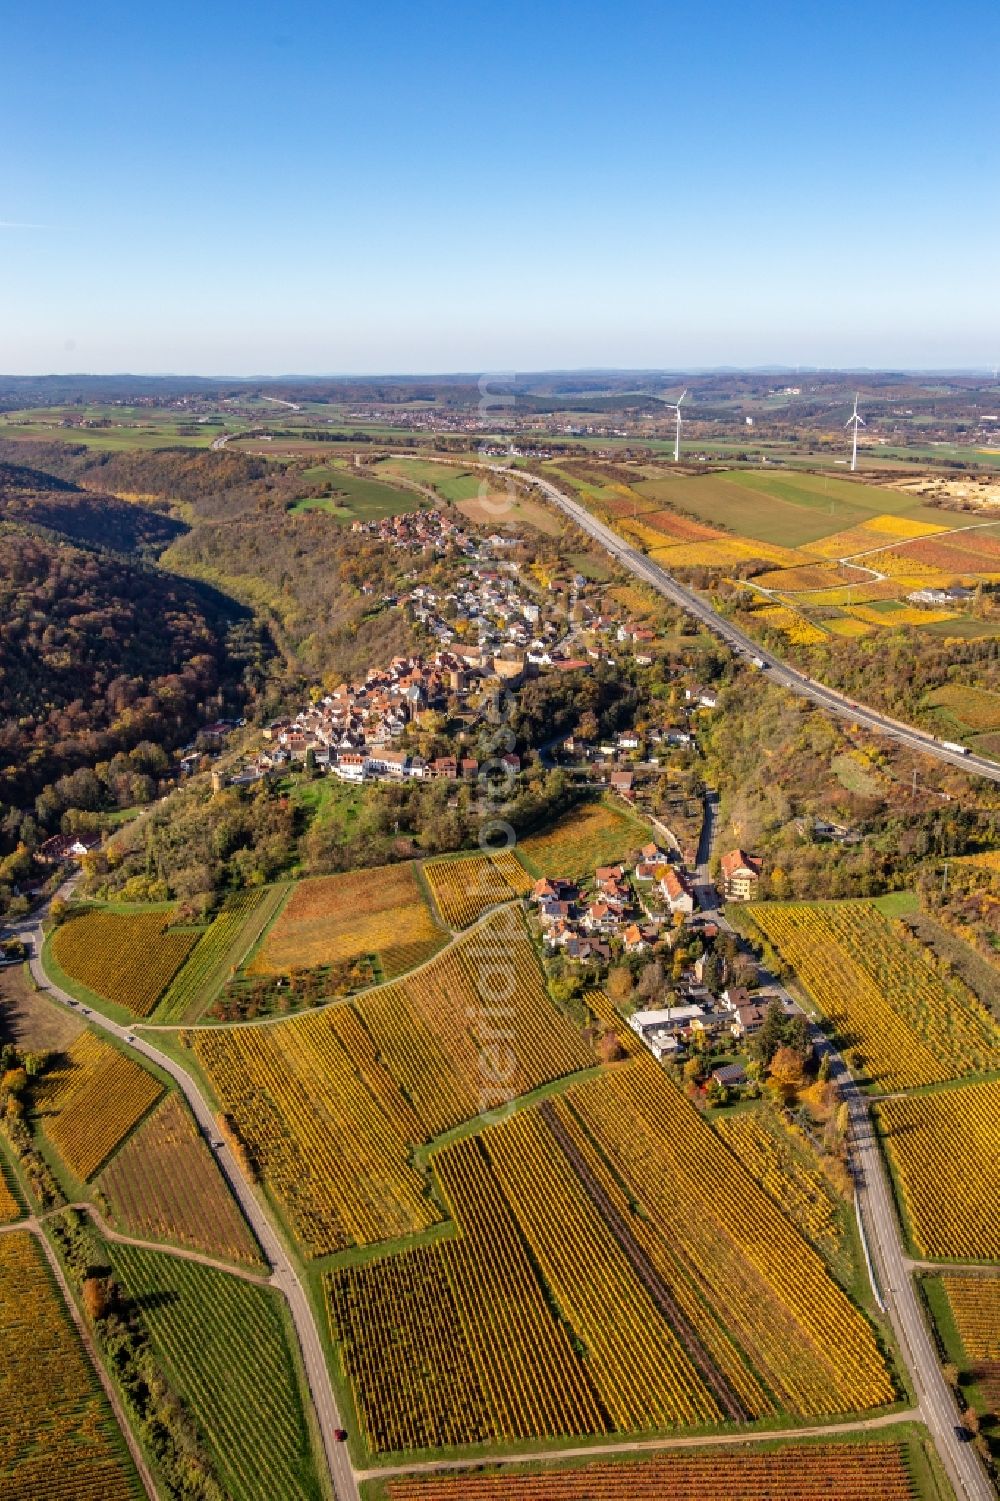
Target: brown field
[(330, 919), (30, 1019), (164, 1185), (92, 1101), (499, 510), (827, 1472)]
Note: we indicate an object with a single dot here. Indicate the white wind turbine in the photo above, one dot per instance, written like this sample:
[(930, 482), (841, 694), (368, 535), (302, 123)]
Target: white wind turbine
[(677, 408), (857, 421)]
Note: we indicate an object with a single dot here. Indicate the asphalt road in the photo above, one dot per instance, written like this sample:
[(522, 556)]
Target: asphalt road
[(778, 671), (892, 1271), (283, 1274)]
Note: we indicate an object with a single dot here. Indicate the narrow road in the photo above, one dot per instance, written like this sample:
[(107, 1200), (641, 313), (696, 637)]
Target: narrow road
[(283, 1273), (892, 1280), (657, 578), (645, 1446)]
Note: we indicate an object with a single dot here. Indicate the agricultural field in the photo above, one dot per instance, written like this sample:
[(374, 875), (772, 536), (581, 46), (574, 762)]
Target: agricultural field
[(974, 1304), (30, 1018), (10, 1206), (796, 1472), (904, 1025), (356, 497), (127, 958), (363, 1084), (90, 1103), (943, 1151), (769, 1153), (585, 837), (218, 953), (464, 889), (333, 919), (664, 1289), (224, 1345), (164, 1185), (58, 1438)]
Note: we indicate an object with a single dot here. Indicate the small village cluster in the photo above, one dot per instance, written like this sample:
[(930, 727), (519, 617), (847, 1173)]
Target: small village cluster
[(626, 912)]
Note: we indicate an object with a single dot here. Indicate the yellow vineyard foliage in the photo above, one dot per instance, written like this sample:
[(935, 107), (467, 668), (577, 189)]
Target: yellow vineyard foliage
[(58, 1439), (92, 1103), (878, 989), (126, 957), (464, 889), (330, 1105), (330, 919), (945, 1149)]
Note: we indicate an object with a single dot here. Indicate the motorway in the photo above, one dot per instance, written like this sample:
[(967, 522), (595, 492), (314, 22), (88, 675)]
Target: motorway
[(777, 670), (284, 1276)]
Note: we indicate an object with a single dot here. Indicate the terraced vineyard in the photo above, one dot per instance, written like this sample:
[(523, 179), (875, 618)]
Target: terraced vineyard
[(330, 919), (661, 1288), (128, 958), (224, 1346), (58, 1438), (93, 1101), (943, 1149), (881, 994), (219, 950), (164, 1185), (815, 1472), (361, 1084), (465, 889)]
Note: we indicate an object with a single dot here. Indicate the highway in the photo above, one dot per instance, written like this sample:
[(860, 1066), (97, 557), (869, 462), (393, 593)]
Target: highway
[(777, 671), (284, 1276)]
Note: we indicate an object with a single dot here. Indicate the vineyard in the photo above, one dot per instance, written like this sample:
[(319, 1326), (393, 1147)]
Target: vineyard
[(10, 1208), (975, 1307), (720, 1241), (585, 837), (804, 1194), (363, 1083), (663, 1287), (164, 1185), (465, 889), (224, 1347), (943, 1148), (219, 950), (329, 919), (795, 1473), (58, 1439), (881, 994), (91, 1103), (127, 958)]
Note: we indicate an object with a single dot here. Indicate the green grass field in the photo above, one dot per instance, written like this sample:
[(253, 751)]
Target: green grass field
[(225, 1346), (355, 497)]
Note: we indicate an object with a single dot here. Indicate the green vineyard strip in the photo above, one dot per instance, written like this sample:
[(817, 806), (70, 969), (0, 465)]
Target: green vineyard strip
[(223, 1344), (221, 947)]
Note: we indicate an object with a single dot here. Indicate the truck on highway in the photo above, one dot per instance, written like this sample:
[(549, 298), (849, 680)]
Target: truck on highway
[(952, 745)]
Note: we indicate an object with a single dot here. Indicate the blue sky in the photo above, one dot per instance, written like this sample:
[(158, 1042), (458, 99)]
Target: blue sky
[(329, 188)]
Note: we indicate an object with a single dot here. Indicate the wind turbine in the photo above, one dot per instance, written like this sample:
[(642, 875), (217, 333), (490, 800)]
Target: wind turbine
[(857, 421), (677, 408)]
